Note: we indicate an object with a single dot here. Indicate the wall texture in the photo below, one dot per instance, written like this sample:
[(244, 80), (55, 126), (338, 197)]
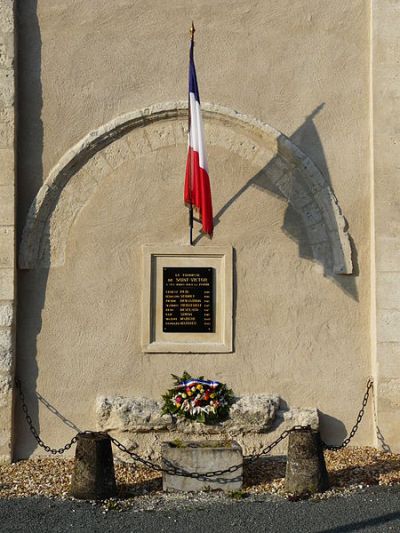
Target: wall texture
[(7, 225), (301, 329), (386, 136)]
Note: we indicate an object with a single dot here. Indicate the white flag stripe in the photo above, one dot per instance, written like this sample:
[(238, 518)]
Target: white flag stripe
[(196, 134)]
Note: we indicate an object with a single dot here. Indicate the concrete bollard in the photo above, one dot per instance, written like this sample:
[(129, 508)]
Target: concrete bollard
[(93, 477), (305, 469)]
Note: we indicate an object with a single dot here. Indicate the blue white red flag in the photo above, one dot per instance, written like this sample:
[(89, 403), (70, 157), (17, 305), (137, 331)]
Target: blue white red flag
[(197, 191)]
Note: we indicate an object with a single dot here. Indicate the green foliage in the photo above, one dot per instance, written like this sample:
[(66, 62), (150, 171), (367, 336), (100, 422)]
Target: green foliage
[(237, 494), (178, 443), (205, 401)]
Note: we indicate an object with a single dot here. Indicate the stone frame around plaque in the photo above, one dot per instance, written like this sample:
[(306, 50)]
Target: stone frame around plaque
[(156, 258)]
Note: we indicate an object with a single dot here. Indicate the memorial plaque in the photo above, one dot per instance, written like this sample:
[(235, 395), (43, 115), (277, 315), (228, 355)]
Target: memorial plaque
[(188, 300)]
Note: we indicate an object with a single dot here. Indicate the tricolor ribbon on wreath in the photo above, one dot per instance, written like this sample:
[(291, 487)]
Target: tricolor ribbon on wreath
[(194, 382)]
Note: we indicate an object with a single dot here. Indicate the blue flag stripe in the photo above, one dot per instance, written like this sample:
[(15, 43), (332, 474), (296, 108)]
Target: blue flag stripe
[(193, 87)]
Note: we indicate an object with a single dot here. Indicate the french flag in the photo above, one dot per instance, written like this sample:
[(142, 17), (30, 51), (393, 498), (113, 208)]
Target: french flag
[(197, 191)]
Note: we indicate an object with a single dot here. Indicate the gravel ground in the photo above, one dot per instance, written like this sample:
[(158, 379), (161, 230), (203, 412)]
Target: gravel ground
[(350, 470)]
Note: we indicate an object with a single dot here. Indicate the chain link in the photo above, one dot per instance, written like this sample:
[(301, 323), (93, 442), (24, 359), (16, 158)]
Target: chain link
[(252, 458), (34, 432), (354, 429), (175, 471), (204, 476)]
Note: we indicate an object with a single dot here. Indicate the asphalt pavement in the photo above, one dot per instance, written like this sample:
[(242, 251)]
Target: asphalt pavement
[(374, 509)]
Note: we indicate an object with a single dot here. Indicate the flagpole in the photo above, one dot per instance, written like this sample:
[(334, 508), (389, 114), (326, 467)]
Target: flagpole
[(191, 225), (192, 30)]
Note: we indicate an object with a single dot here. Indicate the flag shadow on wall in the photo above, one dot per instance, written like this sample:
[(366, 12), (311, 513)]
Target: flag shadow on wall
[(308, 139)]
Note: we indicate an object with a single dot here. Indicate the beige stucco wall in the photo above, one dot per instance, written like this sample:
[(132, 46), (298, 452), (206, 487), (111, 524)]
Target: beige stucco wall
[(299, 331), (386, 165), (7, 225)]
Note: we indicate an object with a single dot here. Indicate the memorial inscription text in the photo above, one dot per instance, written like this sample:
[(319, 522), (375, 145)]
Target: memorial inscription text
[(188, 295)]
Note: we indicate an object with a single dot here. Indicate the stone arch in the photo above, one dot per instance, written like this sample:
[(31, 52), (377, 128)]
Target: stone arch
[(290, 172)]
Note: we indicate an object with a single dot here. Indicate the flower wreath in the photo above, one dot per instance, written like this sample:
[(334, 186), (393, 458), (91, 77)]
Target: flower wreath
[(198, 399)]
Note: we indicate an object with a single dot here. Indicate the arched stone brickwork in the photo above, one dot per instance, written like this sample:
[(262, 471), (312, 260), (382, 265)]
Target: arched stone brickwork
[(284, 169)]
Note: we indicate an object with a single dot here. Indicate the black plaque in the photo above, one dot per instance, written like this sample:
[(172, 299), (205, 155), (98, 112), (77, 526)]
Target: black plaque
[(188, 300)]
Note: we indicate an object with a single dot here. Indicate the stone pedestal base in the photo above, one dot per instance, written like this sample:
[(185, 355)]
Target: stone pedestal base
[(202, 457), (93, 477), (305, 469), (254, 421)]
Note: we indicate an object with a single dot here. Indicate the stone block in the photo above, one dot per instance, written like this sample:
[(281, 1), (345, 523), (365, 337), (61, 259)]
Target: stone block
[(7, 166), (98, 167), (389, 356), (138, 143), (285, 149), (388, 290), (45, 200), (5, 388), (7, 246), (388, 325), (203, 457), (308, 169), (138, 422), (305, 469), (6, 428), (254, 412), (327, 202), (236, 143), (322, 253), (161, 135), (81, 187), (312, 214), (317, 234), (6, 135), (261, 158), (302, 417), (135, 414), (7, 283), (387, 253), (341, 253), (93, 477), (300, 196), (285, 184), (6, 349), (251, 413), (7, 114), (7, 48), (7, 198), (181, 134), (6, 314), (7, 96), (117, 153), (389, 391), (7, 16), (273, 172)]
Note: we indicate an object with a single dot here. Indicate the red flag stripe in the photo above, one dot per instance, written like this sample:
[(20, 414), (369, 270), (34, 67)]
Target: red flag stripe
[(197, 190)]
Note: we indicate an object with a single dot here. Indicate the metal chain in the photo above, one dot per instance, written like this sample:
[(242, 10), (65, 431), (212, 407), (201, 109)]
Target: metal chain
[(354, 429), (34, 432), (252, 458), (204, 476), (173, 470)]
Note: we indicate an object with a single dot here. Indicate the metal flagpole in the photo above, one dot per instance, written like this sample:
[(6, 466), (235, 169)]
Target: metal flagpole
[(191, 225), (192, 30)]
